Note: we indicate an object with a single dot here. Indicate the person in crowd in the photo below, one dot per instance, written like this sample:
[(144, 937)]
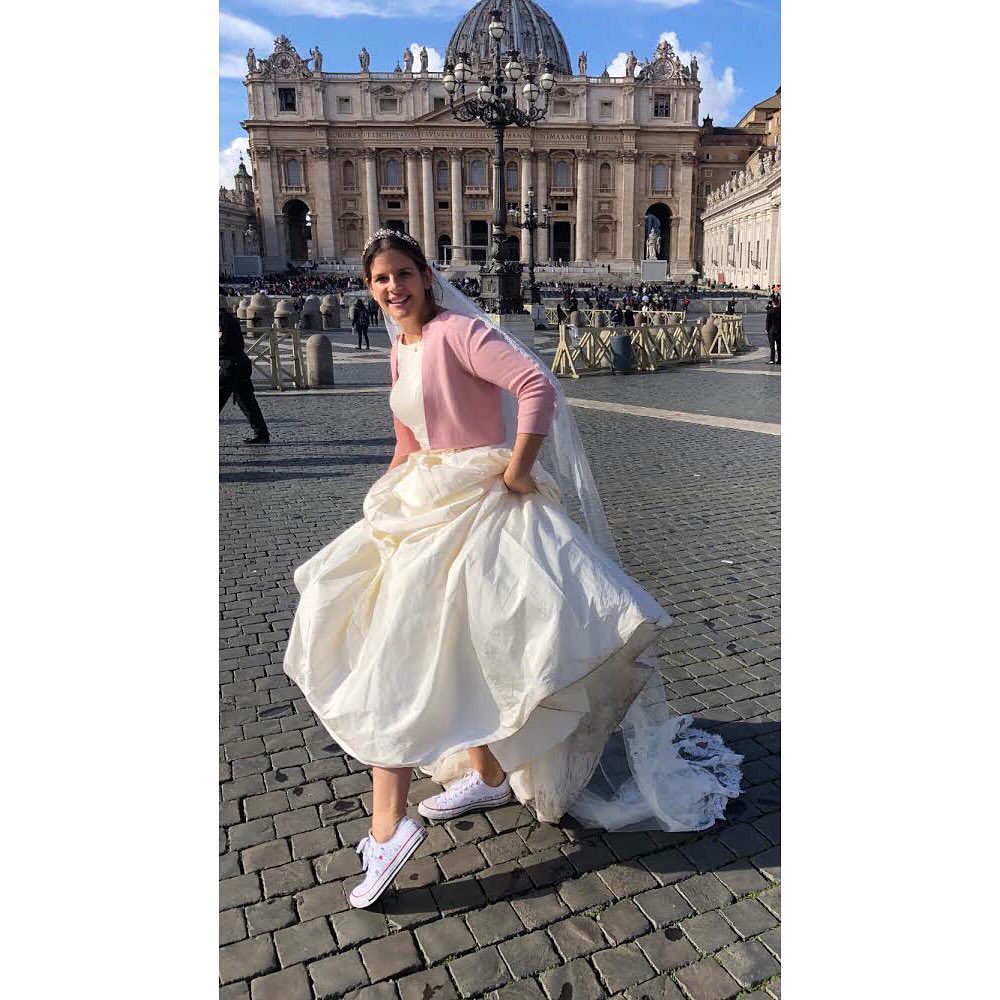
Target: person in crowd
[(235, 371), (628, 319)]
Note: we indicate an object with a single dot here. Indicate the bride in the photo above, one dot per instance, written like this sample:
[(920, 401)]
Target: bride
[(467, 625)]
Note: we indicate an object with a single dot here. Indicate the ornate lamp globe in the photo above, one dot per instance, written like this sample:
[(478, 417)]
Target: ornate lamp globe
[(548, 81), (449, 80), (530, 91), (496, 29), (462, 68), (483, 92), (514, 69)]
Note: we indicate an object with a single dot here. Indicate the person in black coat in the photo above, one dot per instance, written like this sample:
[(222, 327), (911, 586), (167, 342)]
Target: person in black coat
[(772, 324), (359, 322), (235, 370)]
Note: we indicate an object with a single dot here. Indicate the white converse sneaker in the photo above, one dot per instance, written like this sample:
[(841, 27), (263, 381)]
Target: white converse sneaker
[(382, 862), (467, 793)]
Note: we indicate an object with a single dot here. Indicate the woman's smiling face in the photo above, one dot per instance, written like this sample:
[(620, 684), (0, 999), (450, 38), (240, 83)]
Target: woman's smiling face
[(400, 288)]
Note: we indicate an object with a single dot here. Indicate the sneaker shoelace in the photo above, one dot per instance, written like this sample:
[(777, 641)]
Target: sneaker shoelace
[(367, 848)]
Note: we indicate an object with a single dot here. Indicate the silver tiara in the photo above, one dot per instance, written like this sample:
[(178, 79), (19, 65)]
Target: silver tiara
[(381, 234)]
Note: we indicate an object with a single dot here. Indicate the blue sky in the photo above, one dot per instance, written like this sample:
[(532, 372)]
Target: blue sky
[(736, 41)]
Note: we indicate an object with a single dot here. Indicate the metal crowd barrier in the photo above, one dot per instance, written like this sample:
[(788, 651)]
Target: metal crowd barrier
[(277, 355), (653, 347)]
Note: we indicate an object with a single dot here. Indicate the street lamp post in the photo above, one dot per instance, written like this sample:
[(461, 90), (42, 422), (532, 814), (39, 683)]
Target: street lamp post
[(500, 276), (531, 223)]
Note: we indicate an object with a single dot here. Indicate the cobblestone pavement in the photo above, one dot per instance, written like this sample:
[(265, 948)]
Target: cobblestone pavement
[(495, 904)]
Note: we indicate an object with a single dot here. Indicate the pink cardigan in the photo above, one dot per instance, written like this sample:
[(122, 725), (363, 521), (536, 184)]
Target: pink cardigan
[(464, 366)]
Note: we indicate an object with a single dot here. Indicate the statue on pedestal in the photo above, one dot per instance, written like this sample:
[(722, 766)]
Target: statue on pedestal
[(630, 64), (581, 63), (407, 61), (317, 59), (694, 69), (251, 61), (364, 58), (423, 59)]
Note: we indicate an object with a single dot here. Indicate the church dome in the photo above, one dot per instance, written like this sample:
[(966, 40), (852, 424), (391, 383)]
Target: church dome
[(529, 30)]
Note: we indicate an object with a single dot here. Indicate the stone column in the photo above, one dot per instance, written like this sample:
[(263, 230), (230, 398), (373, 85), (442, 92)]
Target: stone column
[(627, 212), (413, 196), (324, 237), (457, 210), (583, 206), (264, 182), (541, 199), (526, 182), (371, 196), (430, 228), (685, 206)]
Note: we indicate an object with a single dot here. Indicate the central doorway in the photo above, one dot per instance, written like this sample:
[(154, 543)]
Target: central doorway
[(562, 241), (479, 241)]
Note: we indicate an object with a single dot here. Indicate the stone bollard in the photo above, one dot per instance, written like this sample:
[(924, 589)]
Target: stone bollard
[(330, 311), (241, 312), (285, 315), (319, 361), (708, 331), (310, 318), (260, 314)]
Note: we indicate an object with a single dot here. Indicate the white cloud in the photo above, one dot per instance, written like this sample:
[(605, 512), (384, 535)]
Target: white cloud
[(240, 31), (435, 61), (718, 93), (617, 65), (232, 66), (229, 160)]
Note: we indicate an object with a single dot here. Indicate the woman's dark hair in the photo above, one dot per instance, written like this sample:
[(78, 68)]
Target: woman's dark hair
[(387, 239)]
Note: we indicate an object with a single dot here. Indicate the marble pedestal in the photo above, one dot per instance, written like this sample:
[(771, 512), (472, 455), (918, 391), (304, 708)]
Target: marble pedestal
[(519, 325)]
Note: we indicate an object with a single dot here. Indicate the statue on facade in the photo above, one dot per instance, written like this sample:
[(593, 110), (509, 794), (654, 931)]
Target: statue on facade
[(423, 59), (694, 69), (364, 58), (540, 64), (251, 61), (653, 245), (408, 60), (317, 59), (630, 64), (581, 63)]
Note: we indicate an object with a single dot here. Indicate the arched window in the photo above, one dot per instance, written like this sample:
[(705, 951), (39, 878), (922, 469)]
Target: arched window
[(393, 173), (442, 176), (477, 173), (348, 172), (605, 177), (293, 176), (512, 183), (659, 177), (604, 239), (562, 174)]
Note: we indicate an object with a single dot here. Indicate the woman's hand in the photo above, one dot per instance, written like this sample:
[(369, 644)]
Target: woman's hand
[(518, 484)]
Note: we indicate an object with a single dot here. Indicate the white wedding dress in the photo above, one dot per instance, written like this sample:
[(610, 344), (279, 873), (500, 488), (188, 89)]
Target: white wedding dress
[(457, 613)]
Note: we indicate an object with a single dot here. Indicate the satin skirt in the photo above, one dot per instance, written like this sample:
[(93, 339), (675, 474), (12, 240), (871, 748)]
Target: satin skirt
[(457, 614)]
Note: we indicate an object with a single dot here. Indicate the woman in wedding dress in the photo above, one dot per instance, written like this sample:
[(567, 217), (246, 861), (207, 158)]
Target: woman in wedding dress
[(467, 625)]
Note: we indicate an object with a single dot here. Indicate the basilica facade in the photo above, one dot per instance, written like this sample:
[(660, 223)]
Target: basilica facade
[(338, 153)]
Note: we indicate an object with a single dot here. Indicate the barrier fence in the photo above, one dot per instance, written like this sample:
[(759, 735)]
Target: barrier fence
[(588, 350)]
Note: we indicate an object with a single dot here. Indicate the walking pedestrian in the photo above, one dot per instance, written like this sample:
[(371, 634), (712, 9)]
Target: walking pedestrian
[(359, 322), (772, 325), (467, 625), (235, 371)]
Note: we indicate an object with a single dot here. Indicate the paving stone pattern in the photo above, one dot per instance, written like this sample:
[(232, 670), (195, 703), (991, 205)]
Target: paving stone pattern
[(497, 905)]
